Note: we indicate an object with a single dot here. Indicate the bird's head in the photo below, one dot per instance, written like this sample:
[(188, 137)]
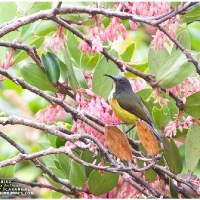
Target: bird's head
[(122, 83)]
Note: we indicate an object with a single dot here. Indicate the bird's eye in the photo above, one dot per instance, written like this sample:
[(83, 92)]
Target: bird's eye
[(121, 81)]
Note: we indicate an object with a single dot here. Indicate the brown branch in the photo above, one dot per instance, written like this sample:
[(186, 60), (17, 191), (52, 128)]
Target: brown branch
[(31, 51), (53, 130), (37, 164), (38, 184)]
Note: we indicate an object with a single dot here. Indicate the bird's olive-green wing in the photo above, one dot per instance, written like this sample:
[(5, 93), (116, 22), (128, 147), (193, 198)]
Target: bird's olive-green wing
[(133, 104)]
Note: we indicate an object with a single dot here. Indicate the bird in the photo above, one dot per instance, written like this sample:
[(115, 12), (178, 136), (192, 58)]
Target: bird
[(128, 107)]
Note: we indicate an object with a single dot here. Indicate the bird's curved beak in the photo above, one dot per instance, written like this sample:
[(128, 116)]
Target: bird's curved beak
[(110, 76)]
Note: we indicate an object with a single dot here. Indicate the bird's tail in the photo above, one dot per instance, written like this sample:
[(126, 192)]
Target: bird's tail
[(157, 136)]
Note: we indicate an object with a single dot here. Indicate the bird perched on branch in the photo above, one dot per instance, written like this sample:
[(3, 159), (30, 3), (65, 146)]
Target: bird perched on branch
[(128, 107)]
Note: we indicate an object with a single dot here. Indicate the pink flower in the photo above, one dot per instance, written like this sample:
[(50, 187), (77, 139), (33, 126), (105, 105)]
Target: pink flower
[(50, 113), (58, 39)]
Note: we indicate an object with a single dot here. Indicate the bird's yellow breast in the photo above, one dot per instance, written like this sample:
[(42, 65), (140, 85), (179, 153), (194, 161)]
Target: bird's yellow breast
[(122, 114)]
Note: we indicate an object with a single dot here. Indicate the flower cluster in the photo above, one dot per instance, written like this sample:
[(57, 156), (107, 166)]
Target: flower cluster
[(50, 113), (159, 38), (189, 86), (170, 129), (99, 34), (58, 39)]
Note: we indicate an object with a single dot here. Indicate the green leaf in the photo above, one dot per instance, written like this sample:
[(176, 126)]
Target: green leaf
[(87, 156), (173, 156), (88, 63), (172, 189), (28, 29), (52, 139), (49, 159), (7, 172), (45, 27), (59, 173), (8, 11), (101, 85), (70, 69), (33, 75), (80, 78), (52, 67), (161, 116), (184, 39), (156, 58), (144, 93), (72, 45), (192, 147), (150, 175), (52, 182), (28, 8), (23, 54), (191, 15), (192, 105), (56, 195), (128, 53), (65, 163), (102, 183), (174, 70), (60, 142), (77, 175), (181, 135)]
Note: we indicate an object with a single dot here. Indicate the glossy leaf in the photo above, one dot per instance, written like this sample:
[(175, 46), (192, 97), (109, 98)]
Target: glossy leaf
[(172, 189), (147, 138), (49, 159), (128, 53), (7, 171), (33, 75), (118, 142), (174, 70), (192, 147), (102, 183), (156, 58), (77, 175), (101, 85), (161, 116), (192, 105), (184, 39), (52, 67), (173, 157)]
